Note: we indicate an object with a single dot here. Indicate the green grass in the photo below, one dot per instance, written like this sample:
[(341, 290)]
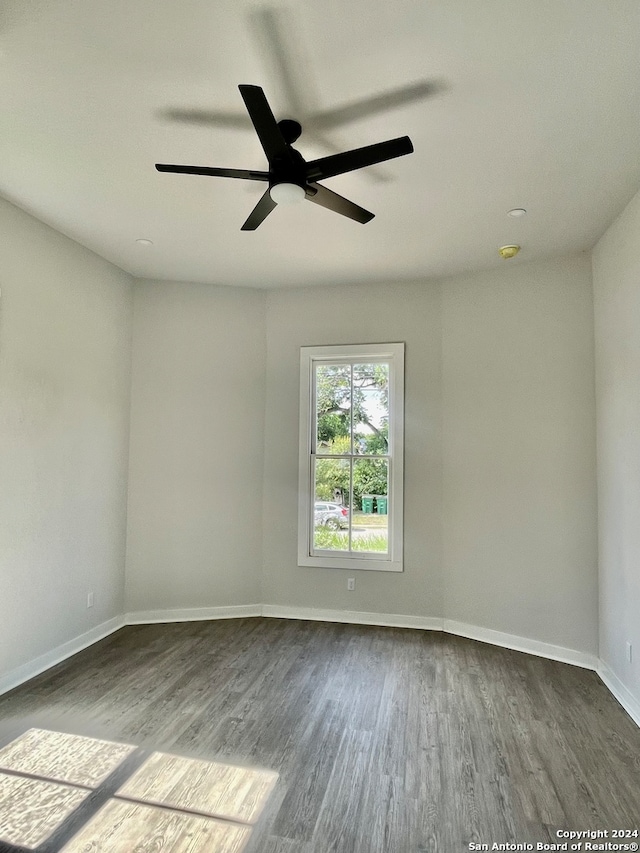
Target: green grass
[(361, 519), (338, 540)]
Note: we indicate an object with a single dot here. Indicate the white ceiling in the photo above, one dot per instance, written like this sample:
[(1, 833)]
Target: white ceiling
[(540, 109)]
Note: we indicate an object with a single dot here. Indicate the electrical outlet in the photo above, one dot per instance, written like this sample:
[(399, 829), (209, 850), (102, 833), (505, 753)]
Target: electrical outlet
[(629, 652), (89, 599), (351, 584)]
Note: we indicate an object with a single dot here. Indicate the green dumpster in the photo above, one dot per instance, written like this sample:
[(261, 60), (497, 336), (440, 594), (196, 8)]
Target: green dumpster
[(381, 501), (367, 503)]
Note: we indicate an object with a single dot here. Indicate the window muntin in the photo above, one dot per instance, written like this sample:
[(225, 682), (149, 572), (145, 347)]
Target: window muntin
[(351, 456)]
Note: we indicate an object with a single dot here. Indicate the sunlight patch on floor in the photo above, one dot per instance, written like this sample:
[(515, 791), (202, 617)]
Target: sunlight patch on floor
[(179, 805), (208, 788), (121, 827), (62, 757), (31, 809)]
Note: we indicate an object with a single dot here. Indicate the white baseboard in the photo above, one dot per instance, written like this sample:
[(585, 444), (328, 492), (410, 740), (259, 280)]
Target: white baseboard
[(521, 644), (354, 617), (34, 667), (19, 675), (433, 623), (192, 614), (622, 693), (29, 670)]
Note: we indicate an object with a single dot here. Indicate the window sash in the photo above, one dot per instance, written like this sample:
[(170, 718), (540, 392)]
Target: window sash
[(340, 362), (357, 554)]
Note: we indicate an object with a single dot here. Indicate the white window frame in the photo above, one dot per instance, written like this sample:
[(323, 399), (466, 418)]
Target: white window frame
[(393, 353)]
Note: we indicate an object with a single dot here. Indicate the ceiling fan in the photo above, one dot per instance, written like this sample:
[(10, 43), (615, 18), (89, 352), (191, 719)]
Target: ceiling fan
[(279, 41), (290, 176)]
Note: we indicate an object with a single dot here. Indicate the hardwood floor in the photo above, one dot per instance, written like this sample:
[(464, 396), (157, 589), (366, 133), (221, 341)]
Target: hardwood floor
[(385, 740)]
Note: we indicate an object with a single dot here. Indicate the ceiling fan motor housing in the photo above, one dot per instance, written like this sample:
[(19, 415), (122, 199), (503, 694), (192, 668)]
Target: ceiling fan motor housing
[(288, 170)]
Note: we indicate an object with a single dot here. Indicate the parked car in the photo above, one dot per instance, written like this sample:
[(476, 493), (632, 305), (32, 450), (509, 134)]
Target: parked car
[(330, 515)]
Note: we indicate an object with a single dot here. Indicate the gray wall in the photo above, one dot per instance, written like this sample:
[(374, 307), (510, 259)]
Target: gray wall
[(354, 315), (500, 528), (616, 283), (520, 541), (65, 332), (500, 474), (195, 478)]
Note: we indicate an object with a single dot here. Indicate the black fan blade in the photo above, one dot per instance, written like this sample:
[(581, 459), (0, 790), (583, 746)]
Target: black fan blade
[(332, 201), (259, 213), (247, 174), (279, 37), (269, 134), (326, 119), (338, 164), (377, 174)]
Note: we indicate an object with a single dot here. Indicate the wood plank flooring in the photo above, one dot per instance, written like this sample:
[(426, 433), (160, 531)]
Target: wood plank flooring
[(59, 757), (385, 740), (122, 827), (36, 810)]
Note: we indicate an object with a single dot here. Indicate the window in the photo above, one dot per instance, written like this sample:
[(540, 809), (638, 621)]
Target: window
[(351, 457)]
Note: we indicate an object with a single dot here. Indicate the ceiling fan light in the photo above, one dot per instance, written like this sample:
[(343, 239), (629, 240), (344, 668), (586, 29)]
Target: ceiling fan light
[(287, 193)]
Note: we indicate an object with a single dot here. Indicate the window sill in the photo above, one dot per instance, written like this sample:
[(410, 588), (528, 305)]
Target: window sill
[(352, 563)]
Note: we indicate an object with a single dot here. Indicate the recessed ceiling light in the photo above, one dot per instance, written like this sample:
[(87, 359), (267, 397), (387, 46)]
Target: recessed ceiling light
[(516, 212), (142, 241)]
